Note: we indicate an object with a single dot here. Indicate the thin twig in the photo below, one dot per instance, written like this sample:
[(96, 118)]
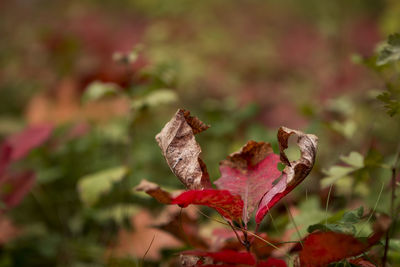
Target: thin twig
[(236, 233), (392, 208), (373, 210), (294, 223), (147, 251), (327, 204)]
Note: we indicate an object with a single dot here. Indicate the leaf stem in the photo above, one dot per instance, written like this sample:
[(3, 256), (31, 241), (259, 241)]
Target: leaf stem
[(236, 233), (392, 201)]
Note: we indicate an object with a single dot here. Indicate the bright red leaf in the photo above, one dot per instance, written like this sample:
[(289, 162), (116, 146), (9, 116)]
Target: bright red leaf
[(226, 256), (272, 262), (228, 205), (249, 173)]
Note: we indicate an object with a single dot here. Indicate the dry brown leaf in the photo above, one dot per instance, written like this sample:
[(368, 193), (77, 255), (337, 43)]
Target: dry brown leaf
[(189, 260), (155, 191), (182, 152)]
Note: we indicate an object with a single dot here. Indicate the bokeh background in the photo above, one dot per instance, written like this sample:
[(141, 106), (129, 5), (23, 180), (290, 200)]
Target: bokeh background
[(86, 85)]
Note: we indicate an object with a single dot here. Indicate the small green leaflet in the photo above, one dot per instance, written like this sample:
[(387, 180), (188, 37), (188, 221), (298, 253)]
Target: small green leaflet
[(91, 187), (354, 160), (345, 225)]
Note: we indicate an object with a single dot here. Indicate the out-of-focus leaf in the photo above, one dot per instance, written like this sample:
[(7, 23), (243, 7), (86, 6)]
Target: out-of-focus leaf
[(91, 187), (117, 213), (354, 159), (182, 152), (391, 51), (226, 256), (295, 171), (250, 173), (97, 90), (183, 225), (347, 128), (310, 212), (17, 185), (154, 99), (22, 143)]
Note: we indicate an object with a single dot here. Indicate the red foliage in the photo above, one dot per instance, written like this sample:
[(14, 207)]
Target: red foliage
[(228, 205), (252, 183), (272, 262), (22, 143), (322, 248), (19, 185)]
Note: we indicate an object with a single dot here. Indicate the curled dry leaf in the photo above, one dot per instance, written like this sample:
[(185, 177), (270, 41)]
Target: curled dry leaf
[(155, 191), (294, 172), (189, 260), (249, 173), (180, 149)]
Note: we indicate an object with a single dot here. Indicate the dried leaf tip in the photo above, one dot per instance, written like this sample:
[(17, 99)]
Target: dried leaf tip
[(155, 191), (249, 155), (182, 152)]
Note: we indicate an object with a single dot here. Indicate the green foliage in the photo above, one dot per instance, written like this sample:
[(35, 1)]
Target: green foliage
[(91, 187), (391, 51), (345, 225), (354, 160), (97, 90)]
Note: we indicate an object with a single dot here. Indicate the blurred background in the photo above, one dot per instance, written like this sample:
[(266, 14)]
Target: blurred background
[(86, 85)]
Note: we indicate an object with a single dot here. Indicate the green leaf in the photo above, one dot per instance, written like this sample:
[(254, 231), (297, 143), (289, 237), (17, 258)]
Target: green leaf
[(155, 98), (97, 90), (310, 213), (354, 159), (334, 173), (117, 213), (391, 51), (345, 225), (92, 187), (353, 216)]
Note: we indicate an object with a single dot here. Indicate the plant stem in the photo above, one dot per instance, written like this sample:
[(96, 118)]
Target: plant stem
[(236, 233), (392, 201)]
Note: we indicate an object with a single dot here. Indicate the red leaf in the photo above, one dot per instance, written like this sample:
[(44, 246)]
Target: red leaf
[(249, 173), (226, 256), (294, 173), (22, 143), (362, 262), (322, 248), (272, 262), (228, 205)]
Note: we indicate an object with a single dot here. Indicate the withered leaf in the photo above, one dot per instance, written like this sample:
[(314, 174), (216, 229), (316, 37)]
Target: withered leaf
[(155, 191), (294, 172), (182, 152), (249, 173)]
